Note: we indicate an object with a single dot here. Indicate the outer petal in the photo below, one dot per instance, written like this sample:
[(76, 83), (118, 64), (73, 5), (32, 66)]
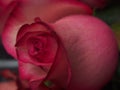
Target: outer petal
[(4, 13), (92, 51), (25, 13), (31, 72)]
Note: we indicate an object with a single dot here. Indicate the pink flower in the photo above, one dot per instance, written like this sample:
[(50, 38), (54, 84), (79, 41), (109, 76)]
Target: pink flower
[(62, 51)]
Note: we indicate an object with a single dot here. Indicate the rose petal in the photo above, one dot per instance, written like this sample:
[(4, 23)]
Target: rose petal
[(91, 48), (49, 10), (31, 72), (26, 13), (4, 14)]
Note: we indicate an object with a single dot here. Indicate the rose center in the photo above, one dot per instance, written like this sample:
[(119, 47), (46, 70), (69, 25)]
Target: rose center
[(42, 48), (37, 47)]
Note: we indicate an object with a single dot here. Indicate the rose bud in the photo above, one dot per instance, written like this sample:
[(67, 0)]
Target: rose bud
[(72, 53), (75, 53)]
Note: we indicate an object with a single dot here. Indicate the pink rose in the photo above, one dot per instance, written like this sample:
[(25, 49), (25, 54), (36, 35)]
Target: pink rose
[(62, 51), (6, 6), (44, 9)]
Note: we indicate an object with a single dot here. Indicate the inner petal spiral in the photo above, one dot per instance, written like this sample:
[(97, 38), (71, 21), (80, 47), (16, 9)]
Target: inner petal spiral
[(42, 48), (36, 47)]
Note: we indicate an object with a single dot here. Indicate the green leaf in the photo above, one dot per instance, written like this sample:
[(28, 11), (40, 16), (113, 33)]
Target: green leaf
[(48, 84)]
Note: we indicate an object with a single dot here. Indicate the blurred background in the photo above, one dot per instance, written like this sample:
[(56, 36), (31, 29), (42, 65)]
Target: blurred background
[(110, 14)]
